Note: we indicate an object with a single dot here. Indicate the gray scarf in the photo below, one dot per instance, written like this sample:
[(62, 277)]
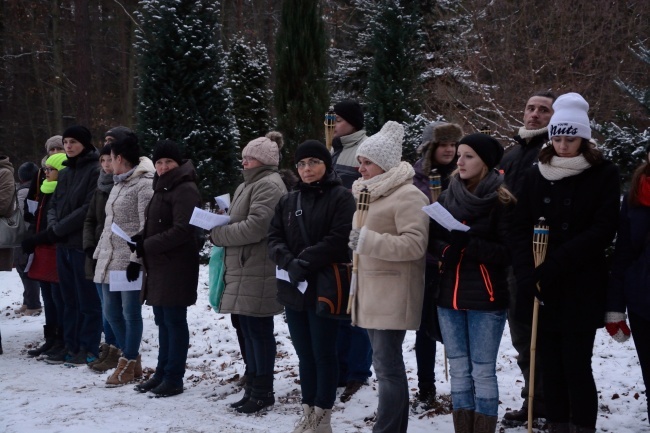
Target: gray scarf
[(464, 205), (117, 178), (105, 181)]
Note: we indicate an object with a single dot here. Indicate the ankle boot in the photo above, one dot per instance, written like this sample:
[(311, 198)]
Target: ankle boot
[(123, 374), (261, 395), (321, 421), (463, 420), (559, 427), (109, 362), (49, 332), (248, 389), (484, 423), (137, 370), (305, 420), (150, 384)]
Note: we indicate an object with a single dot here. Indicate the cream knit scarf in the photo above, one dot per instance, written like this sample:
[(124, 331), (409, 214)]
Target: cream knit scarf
[(383, 184), (559, 168), (527, 134)]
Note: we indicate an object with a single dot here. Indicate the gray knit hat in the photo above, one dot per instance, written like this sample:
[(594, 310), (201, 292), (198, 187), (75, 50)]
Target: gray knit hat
[(265, 149), (385, 147), (55, 141)]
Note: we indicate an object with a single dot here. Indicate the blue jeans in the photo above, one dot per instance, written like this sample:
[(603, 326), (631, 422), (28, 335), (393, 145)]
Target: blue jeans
[(52, 304), (354, 353), (109, 335), (82, 315), (124, 313), (314, 339), (174, 340), (472, 341), (387, 358), (260, 344)]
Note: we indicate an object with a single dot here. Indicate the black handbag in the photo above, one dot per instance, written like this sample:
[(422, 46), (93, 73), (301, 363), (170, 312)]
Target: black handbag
[(332, 282)]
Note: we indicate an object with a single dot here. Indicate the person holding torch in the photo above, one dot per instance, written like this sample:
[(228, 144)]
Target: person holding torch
[(577, 193)]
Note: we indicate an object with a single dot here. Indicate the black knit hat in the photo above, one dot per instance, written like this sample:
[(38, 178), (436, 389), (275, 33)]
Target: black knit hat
[(81, 134), (167, 149), (314, 149), (486, 147), (27, 171), (105, 150), (117, 132), (350, 111)]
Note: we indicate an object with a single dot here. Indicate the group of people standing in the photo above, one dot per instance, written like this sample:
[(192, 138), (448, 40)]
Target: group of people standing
[(455, 286)]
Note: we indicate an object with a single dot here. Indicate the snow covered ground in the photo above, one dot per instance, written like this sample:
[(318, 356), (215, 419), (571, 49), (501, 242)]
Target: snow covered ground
[(37, 397)]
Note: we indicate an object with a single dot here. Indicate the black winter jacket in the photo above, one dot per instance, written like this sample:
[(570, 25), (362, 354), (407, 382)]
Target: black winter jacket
[(479, 280), (582, 213), (76, 185), (327, 210), (629, 282), (520, 158)]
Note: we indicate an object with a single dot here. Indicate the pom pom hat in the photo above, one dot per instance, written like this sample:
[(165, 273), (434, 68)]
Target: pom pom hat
[(385, 147), (264, 150), (570, 117)]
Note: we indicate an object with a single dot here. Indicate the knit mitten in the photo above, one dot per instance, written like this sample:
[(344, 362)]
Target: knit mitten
[(616, 326)]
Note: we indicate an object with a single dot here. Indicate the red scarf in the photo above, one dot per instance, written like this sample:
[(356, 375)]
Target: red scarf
[(643, 193)]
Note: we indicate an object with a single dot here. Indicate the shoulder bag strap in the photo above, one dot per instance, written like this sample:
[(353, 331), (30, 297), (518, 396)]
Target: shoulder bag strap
[(301, 222)]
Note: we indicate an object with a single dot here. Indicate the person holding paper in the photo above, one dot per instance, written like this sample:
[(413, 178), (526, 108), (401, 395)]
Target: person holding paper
[(326, 208), (391, 248), (170, 253), (251, 289), (473, 289), (52, 298), (133, 177)]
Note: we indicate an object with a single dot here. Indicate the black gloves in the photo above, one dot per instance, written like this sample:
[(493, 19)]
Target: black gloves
[(297, 269), (546, 274), (457, 243), (28, 245), (53, 237), (138, 248), (133, 271)]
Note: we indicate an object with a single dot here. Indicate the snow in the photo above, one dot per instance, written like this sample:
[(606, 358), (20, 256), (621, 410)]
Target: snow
[(37, 397)]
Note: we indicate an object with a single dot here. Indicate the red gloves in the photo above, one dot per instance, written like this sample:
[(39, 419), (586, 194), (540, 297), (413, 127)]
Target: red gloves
[(616, 326)]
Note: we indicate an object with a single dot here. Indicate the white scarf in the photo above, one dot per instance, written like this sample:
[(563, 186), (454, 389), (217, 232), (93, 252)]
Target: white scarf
[(527, 134), (383, 184), (559, 168)]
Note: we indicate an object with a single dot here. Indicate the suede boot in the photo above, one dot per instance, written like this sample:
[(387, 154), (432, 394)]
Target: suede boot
[(305, 420), (137, 370), (49, 332), (559, 427), (261, 395), (109, 362), (484, 423), (104, 350), (463, 421), (248, 389), (320, 421), (123, 374)]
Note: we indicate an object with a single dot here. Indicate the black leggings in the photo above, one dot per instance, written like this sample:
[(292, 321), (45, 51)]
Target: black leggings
[(569, 387), (641, 334)]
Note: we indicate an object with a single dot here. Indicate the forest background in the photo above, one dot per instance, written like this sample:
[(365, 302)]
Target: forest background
[(213, 75)]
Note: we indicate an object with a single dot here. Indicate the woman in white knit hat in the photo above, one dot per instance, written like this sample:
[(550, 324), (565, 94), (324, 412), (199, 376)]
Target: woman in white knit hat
[(577, 192), (391, 247)]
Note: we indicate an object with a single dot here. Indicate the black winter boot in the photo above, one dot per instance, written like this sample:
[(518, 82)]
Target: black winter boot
[(49, 332), (58, 345), (261, 396), (248, 389)]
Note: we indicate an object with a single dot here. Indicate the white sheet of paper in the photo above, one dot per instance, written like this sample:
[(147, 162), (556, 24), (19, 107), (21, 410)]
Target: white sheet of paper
[(444, 218), (281, 274), (208, 220), (118, 231), (32, 206), (223, 201), (30, 259), (118, 283)]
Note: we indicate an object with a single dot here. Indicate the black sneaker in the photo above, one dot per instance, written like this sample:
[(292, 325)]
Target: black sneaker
[(80, 358), (58, 357), (166, 389)]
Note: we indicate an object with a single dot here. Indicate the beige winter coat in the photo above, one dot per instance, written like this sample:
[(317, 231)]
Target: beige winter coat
[(125, 207), (7, 206), (250, 275), (392, 249)]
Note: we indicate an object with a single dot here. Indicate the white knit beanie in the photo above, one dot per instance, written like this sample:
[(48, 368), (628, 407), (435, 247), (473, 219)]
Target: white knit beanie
[(264, 150), (385, 147), (570, 117)]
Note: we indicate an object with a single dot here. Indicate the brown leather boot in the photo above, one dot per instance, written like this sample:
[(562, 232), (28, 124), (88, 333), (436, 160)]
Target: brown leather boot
[(109, 362), (123, 374), (463, 421), (484, 423), (137, 371)]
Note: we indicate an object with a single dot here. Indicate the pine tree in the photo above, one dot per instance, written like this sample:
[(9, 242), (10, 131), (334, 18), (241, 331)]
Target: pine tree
[(248, 78), (182, 93), (301, 97)]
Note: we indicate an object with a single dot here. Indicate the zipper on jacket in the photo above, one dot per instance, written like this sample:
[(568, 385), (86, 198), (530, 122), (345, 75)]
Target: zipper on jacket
[(486, 279), (455, 300)]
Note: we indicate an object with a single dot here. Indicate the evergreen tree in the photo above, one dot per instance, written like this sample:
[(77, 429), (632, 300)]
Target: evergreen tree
[(248, 78), (183, 94), (301, 97)]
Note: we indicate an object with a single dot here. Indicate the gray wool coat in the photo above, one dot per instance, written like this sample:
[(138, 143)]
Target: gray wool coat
[(125, 206), (250, 275)]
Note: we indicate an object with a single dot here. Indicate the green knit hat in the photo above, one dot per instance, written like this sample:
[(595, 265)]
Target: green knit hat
[(56, 160)]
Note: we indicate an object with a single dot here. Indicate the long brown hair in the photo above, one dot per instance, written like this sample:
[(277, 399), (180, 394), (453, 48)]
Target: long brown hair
[(642, 171), (587, 149)]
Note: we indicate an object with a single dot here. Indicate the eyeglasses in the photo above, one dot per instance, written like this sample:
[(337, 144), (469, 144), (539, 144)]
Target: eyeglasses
[(49, 169), (311, 163)]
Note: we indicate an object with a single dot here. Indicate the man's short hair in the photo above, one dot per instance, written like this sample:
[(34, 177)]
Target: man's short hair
[(545, 94)]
